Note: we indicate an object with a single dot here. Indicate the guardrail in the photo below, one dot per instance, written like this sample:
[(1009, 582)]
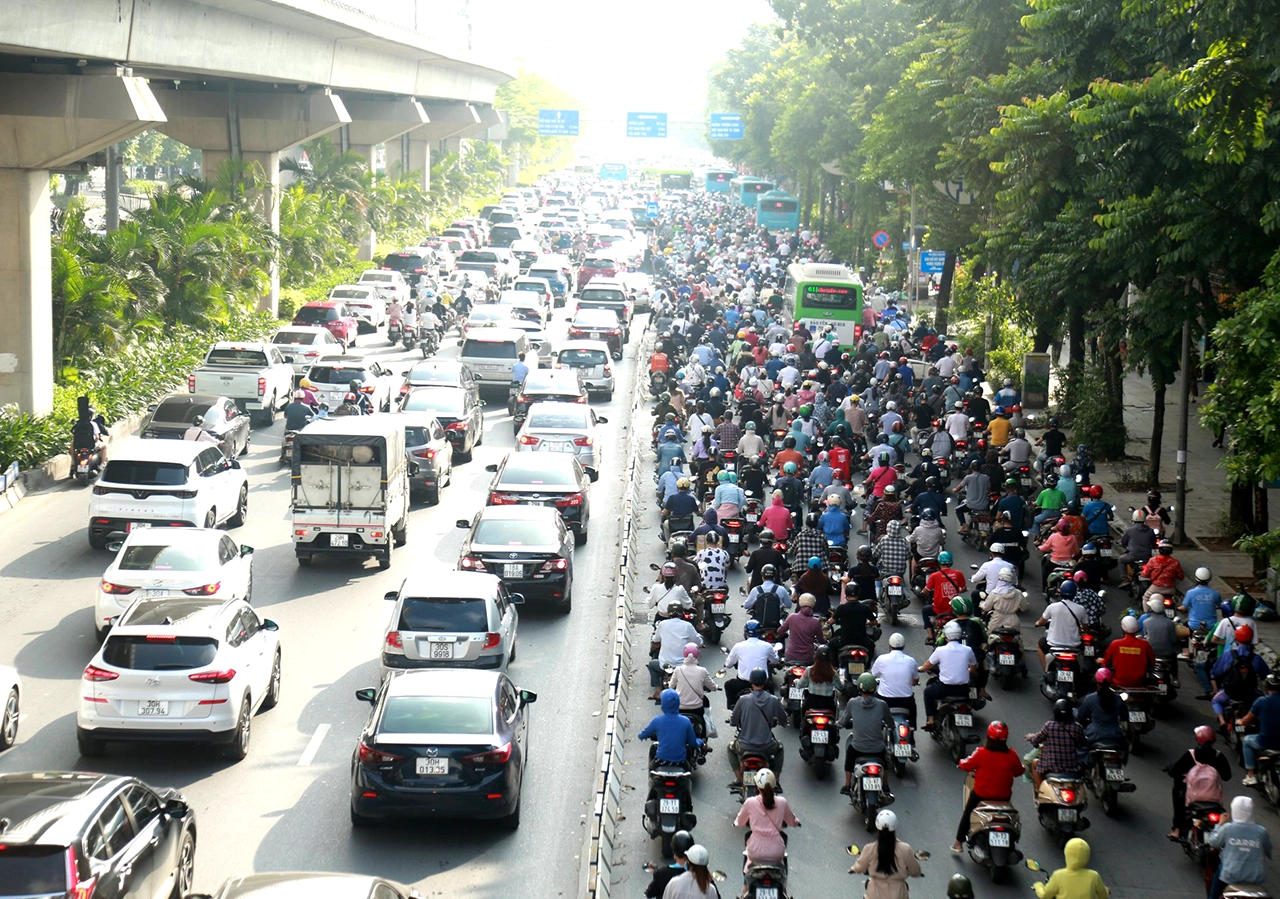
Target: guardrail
[(606, 813)]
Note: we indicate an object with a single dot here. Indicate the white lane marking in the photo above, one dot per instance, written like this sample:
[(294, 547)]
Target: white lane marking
[(313, 746)]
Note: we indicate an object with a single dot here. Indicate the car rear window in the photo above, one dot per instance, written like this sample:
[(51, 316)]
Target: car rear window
[(528, 287), (437, 715), (158, 653), (478, 256), (32, 870), (403, 262), (501, 218), (551, 274), (349, 293), (596, 318), (446, 402), (583, 358), (178, 412), (416, 436), (149, 557), (378, 277), (507, 233), (486, 349), (331, 374), (537, 473), (145, 474), (552, 420), (443, 614), (432, 374), (602, 295), (490, 313), (503, 532), (598, 262), (251, 358), (295, 338), (316, 315)]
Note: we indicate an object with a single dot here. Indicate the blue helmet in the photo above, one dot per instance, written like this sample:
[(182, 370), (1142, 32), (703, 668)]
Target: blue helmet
[(752, 628), (815, 562)]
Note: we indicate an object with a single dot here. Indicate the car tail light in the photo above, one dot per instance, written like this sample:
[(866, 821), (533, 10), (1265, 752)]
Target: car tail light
[(366, 389), (1068, 795), (502, 499), (575, 500), (529, 440), (97, 675), (425, 453), (608, 369), (162, 638), (393, 642), (262, 387), (469, 563), (404, 389), (499, 756), (223, 676), (584, 441), (115, 589), (872, 769), (554, 565), (101, 491), (77, 888), (614, 333), (205, 590), (370, 756), (191, 383), (491, 641), (456, 426)]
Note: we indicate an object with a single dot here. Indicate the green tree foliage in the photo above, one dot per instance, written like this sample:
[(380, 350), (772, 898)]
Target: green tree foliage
[(521, 98)]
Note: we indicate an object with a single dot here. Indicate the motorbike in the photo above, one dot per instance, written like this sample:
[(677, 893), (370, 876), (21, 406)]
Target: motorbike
[(1106, 778), (1090, 642), (837, 565), (954, 725), (1203, 817), (1007, 662), (1106, 550), (765, 882), (429, 341), (286, 447), (87, 462), (1163, 678), (792, 694), (1062, 677), (669, 806), (1060, 806), (900, 743), (1269, 774), (751, 763), (924, 568), (994, 831), (869, 795), (717, 615), (819, 741), (895, 597), (736, 543), (657, 382), (409, 340), (854, 660), (777, 435), (394, 332)]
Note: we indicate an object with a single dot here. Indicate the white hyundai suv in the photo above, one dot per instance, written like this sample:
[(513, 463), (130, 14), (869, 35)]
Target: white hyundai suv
[(166, 483), (180, 670)]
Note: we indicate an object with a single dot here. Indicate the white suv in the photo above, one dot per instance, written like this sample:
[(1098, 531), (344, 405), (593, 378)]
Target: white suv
[(166, 483), (180, 670)]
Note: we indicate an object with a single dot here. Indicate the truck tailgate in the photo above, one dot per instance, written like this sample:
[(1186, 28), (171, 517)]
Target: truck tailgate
[(237, 384)]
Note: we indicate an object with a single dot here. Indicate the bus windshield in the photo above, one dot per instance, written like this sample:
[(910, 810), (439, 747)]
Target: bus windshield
[(829, 296)]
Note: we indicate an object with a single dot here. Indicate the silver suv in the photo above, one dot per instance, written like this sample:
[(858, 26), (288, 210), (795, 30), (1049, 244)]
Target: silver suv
[(451, 619)]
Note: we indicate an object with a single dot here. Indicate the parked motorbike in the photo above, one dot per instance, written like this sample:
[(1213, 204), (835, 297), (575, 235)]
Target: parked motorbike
[(1106, 777), (819, 741)]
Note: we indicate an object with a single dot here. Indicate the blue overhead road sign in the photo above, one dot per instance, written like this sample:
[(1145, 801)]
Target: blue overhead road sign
[(726, 126), (557, 123), (932, 262), (646, 124), (651, 210)]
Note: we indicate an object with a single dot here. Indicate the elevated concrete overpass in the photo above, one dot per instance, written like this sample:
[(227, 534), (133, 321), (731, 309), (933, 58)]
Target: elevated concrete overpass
[(234, 78)]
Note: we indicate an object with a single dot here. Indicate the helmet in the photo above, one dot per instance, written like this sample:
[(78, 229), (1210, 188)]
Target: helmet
[(961, 606), (1019, 432), (765, 778), (952, 631), (864, 553), (722, 477), (1089, 549), (758, 677), (867, 682), (669, 569), (1244, 634), (1205, 735), (766, 536), (890, 490), (1156, 604), (682, 484), (805, 411), (897, 641), (1007, 575), (199, 419), (299, 395), (886, 820), (1064, 525), (1273, 681), (789, 442), (932, 515), (1062, 710), (1203, 575), (1165, 547), (811, 520), (751, 426), (1067, 589), (691, 649), (997, 548), (944, 557), (997, 730), (1095, 491), (815, 562), (790, 467), (1053, 422), (768, 571), (1138, 517), (998, 410), (959, 887), (891, 405), (305, 383), (752, 627), (957, 405), (698, 854), (1103, 675), (807, 601), (1129, 624), (1080, 577), (681, 842), (349, 398), (1242, 603)]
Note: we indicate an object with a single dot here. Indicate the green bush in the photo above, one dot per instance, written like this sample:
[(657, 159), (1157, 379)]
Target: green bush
[(290, 299)]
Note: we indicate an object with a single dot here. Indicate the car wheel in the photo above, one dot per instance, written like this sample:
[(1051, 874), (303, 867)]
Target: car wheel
[(566, 605), (358, 820), (400, 532), (244, 450), (9, 720), (580, 535), (242, 508), (304, 560), (184, 874), (211, 519), (273, 691), (384, 561), (88, 746), (238, 748), (96, 542), (511, 821), (511, 658), (465, 455), (267, 416), (433, 496)]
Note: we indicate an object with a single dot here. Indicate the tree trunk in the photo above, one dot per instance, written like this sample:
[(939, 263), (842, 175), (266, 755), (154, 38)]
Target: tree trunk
[(944, 292), (1241, 508), (808, 199), (1157, 439)]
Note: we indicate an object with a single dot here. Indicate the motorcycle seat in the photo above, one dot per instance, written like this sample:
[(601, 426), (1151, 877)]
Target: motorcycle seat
[(1203, 808)]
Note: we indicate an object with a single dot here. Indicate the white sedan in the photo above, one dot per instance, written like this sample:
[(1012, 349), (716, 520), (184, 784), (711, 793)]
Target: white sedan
[(10, 693), (159, 563)]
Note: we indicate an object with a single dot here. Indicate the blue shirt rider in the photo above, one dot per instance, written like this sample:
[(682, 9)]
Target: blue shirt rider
[(1201, 604), (673, 731), (835, 525), (1097, 516), (670, 450), (670, 477)]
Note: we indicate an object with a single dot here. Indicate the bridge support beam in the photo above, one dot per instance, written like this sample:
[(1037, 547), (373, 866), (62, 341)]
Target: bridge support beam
[(412, 153)]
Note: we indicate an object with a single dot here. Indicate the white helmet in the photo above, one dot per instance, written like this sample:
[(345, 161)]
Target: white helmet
[(997, 548), (891, 405), (1129, 624), (1138, 517), (1203, 575), (952, 631), (1155, 604), (1007, 575), (897, 641), (765, 778), (886, 820), (1064, 471)]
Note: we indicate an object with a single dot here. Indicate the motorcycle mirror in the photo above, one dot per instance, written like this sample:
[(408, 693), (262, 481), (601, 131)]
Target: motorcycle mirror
[(853, 850), (719, 876), (973, 567), (777, 647), (654, 566), (1033, 865), (924, 855), (742, 591)]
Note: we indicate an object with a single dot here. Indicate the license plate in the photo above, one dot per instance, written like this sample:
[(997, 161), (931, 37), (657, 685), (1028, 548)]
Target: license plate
[(857, 667), (668, 806), (871, 785), (964, 720), (1202, 656), (441, 650), (430, 767), (1115, 774), (1066, 676), (1090, 651), (1066, 814), (339, 539), (554, 446), (902, 750), (997, 838), (1105, 553), (733, 538), (895, 591), (512, 570), (795, 693), (1006, 658), (819, 736), (1026, 482), (153, 708), (717, 608), (766, 893), (1163, 688), (83, 466), (752, 517), (1240, 728), (1138, 717), (132, 526), (153, 592)]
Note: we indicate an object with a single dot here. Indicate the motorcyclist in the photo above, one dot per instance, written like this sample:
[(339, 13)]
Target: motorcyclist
[(1060, 549), (1095, 606), (1101, 712), (683, 506), (1163, 570), (943, 585), (835, 523), (1064, 619), (887, 510), (755, 714), (1237, 674), (1075, 881), (764, 815), (802, 632), (1159, 631), (1205, 753), (956, 664), (994, 766), (897, 674), (928, 538), (762, 556), (865, 717), (297, 413), (767, 601), (990, 569), (746, 656), (669, 590), (670, 636), (681, 843), (750, 444), (673, 731), (1265, 712), (851, 618), (1139, 544), (692, 682), (713, 564), (668, 481), (1061, 743), (1051, 501)]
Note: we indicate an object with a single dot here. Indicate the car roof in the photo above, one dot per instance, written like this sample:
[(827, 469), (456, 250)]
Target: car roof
[(188, 615), (189, 399), (313, 330), (526, 279), (554, 374), (50, 808), (173, 536), (420, 418), (322, 304), (495, 335), (437, 364), (138, 449), (583, 345), (519, 513), (443, 582), (445, 681), (534, 461), (301, 885)]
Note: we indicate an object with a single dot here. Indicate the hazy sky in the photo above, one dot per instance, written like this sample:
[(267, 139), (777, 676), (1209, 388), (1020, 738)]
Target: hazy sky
[(648, 56)]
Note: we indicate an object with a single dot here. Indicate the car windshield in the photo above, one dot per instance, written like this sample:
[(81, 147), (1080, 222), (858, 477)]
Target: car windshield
[(158, 652), (152, 557), (557, 420), (442, 401), (316, 314), (583, 358), (145, 474), (506, 532), (295, 338), (546, 379), (178, 412), (536, 472), (437, 715), (489, 349), (33, 870), (448, 615)]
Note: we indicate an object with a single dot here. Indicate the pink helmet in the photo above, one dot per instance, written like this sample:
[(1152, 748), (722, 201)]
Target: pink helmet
[(1063, 525), (691, 649), (1080, 577), (1102, 675)]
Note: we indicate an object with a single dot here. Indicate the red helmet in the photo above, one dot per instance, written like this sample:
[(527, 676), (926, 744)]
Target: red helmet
[(982, 444), (1244, 634), (1102, 675), (997, 730), (1205, 735), (1016, 408), (1095, 491), (902, 360)]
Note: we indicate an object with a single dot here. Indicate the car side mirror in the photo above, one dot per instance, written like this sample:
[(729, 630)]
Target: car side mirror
[(175, 808), (517, 599), (491, 468), (369, 695), (269, 625), (391, 596), (288, 359), (600, 419), (413, 468), (245, 550), (462, 523), (233, 463), (527, 697), (153, 407)]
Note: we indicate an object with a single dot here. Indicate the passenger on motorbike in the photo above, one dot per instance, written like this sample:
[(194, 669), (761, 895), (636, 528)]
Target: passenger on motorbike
[(1245, 847), (990, 570), (1163, 570), (1075, 881), (1205, 753), (1061, 743), (973, 635), (866, 717), (943, 585), (835, 523), (350, 406), (755, 714), (297, 413), (692, 682), (1064, 618), (819, 682), (673, 731), (1004, 601), (1237, 675), (1100, 714), (669, 590), (667, 483), (802, 632), (764, 815), (750, 444)]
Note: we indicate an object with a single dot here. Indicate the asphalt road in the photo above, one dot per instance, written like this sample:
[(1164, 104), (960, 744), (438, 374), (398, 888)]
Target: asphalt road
[(1129, 850), (285, 807)]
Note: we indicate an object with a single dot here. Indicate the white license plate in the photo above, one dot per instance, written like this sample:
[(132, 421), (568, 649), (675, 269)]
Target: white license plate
[(895, 591), (733, 538), (441, 650), (1066, 676), (1090, 651), (1240, 728), (1105, 552), (132, 526), (512, 570), (1115, 774), (668, 806), (1138, 717), (1202, 656), (430, 767), (339, 539), (1066, 814), (154, 592), (819, 736), (1006, 658), (153, 708), (766, 893), (964, 720), (1026, 482), (871, 785), (83, 466), (753, 518), (717, 608), (902, 750), (857, 667), (1163, 688), (997, 838), (554, 446), (795, 693)]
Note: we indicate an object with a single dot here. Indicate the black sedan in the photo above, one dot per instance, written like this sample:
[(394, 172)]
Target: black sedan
[(448, 743), (557, 480), (457, 410), (559, 385), (170, 418), (528, 547)]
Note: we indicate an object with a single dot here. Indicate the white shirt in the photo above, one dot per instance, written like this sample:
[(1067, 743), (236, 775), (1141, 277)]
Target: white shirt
[(989, 573), (1064, 630), (947, 366), (662, 597), (750, 653), (953, 661), (957, 425), (897, 673), (673, 634), (1226, 631)]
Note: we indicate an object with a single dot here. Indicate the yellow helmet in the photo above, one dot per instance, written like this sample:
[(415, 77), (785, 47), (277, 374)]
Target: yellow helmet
[(683, 483), (742, 335), (306, 382)]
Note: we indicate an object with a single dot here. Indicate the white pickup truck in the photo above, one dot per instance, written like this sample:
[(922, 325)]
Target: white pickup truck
[(256, 375)]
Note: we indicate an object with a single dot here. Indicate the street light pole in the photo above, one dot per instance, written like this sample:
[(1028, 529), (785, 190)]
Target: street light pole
[(1180, 500), (914, 263)]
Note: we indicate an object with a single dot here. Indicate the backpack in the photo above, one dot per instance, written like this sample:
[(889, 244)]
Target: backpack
[(1240, 681), (792, 492), (768, 609), (1204, 784)]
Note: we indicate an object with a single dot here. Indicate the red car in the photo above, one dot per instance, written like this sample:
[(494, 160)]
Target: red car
[(605, 266), (333, 316)]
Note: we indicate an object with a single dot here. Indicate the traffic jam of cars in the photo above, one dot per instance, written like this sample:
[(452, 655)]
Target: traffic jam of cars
[(373, 437)]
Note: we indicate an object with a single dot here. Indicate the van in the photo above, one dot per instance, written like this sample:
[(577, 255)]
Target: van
[(612, 294), (591, 359), (491, 353), (350, 487)]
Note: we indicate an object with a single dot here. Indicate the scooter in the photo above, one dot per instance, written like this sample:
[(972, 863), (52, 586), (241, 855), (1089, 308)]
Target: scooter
[(736, 543), (1202, 817), (954, 725), (994, 831), (716, 615), (410, 338), (792, 694), (429, 342), (868, 794), (1062, 678), (1140, 702), (765, 882), (1106, 778), (895, 597), (854, 660), (394, 332), (669, 806), (1060, 806), (286, 447), (88, 462), (900, 743), (1007, 662), (819, 741)]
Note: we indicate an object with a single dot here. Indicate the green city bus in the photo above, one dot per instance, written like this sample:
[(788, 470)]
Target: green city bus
[(824, 294)]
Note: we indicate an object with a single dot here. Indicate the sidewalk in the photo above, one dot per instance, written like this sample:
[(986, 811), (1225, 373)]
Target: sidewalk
[(1208, 498)]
